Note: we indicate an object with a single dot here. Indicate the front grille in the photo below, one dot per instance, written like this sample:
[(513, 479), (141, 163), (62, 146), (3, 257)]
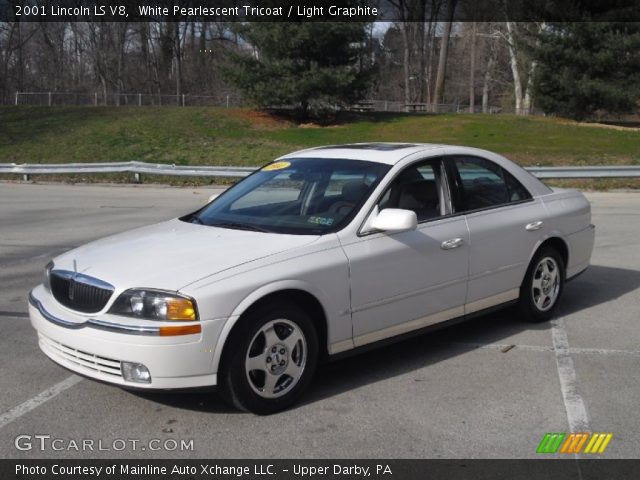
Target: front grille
[(79, 292), (106, 366)]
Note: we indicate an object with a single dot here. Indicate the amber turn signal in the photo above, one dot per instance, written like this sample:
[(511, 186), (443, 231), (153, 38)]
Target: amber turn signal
[(181, 330), (180, 309)]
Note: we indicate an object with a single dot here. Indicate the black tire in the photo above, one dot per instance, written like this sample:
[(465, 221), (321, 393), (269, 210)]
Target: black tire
[(241, 387), (529, 303)]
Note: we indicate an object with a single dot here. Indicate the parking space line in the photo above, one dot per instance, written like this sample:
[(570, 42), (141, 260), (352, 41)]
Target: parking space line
[(540, 348), (573, 402), (604, 351), (34, 402), (502, 346)]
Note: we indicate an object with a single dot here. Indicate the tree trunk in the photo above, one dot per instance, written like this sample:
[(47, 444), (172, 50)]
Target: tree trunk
[(405, 62), (515, 70), (178, 60), (444, 53), (472, 71), (527, 103), (429, 70), (487, 80)]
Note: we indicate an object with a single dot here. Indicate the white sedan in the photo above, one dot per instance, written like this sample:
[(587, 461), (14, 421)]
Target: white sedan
[(317, 253)]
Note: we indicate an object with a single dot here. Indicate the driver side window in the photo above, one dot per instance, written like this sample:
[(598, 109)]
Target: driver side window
[(417, 188)]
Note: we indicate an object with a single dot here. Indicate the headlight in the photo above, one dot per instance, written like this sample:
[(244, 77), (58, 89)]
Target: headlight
[(155, 305), (46, 281)]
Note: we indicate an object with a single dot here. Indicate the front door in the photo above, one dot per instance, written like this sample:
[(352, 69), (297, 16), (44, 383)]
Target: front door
[(404, 281)]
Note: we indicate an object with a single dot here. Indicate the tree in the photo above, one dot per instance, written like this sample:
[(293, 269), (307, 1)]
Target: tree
[(444, 52), (308, 65), (587, 68)]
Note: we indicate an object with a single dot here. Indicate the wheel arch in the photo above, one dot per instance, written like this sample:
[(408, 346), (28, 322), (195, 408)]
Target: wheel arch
[(293, 292), (556, 242)]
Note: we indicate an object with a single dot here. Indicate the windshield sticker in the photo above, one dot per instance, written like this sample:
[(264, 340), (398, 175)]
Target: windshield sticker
[(320, 220), (276, 166)]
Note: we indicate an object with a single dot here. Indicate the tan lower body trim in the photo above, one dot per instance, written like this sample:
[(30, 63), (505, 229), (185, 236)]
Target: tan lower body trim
[(341, 346), (408, 326), (491, 301), (418, 323)]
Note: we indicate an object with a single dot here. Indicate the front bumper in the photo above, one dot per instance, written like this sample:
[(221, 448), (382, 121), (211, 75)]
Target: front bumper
[(94, 350)]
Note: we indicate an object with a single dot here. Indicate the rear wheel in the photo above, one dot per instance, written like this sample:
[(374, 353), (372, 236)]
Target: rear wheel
[(543, 285), (271, 358)]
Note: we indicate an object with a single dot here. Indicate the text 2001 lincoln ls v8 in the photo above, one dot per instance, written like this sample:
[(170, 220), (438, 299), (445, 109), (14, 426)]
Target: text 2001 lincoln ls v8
[(317, 253)]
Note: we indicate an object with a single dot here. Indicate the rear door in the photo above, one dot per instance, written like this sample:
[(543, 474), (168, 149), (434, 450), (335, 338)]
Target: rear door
[(505, 224)]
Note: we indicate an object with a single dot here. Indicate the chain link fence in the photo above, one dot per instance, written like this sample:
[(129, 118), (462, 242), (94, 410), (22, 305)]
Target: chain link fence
[(125, 99), (234, 100)]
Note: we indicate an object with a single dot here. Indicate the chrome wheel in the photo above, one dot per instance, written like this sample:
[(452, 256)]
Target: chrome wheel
[(276, 358), (545, 286)]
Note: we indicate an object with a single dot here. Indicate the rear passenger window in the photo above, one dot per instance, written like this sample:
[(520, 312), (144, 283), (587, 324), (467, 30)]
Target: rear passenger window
[(483, 184), (517, 192)]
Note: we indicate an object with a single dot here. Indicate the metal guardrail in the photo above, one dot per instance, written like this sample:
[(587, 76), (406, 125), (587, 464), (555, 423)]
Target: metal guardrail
[(142, 168), (137, 168), (626, 171)]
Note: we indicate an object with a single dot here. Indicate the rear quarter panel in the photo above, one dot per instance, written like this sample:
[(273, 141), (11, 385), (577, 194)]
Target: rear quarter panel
[(570, 219)]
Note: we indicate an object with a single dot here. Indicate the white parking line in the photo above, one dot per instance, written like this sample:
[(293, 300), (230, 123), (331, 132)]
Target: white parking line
[(502, 346), (34, 402), (540, 348), (573, 403)]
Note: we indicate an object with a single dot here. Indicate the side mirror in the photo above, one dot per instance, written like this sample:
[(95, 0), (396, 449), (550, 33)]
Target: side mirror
[(395, 220)]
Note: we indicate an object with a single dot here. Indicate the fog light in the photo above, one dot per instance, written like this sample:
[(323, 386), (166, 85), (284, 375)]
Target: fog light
[(135, 372)]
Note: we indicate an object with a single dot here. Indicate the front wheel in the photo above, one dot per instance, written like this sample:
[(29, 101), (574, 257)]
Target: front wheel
[(272, 357), (543, 285)]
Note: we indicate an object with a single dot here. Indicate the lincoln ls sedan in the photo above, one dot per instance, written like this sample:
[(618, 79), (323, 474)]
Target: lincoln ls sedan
[(316, 254)]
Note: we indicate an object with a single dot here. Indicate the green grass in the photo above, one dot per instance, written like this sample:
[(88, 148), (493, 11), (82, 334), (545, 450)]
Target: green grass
[(217, 136)]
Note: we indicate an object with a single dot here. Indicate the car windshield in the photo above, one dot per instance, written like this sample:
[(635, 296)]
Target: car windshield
[(299, 196)]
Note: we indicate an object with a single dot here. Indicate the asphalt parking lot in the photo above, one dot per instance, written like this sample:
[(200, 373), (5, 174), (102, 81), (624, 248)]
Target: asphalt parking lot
[(489, 388)]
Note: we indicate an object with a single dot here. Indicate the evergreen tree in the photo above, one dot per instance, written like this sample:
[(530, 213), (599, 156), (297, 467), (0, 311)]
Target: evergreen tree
[(588, 68), (309, 65)]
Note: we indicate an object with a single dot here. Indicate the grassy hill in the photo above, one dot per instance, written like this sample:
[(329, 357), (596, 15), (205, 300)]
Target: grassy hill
[(218, 136)]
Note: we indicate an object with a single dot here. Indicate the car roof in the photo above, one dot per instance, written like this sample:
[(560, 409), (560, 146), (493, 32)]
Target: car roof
[(389, 153), (392, 153)]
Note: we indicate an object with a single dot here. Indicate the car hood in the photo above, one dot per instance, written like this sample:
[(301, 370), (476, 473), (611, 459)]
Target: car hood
[(173, 254)]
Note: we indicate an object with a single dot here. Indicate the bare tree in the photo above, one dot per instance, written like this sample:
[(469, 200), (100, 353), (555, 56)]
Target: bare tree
[(444, 51)]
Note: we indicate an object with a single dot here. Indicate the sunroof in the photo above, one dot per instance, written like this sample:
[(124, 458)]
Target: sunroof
[(383, 147)]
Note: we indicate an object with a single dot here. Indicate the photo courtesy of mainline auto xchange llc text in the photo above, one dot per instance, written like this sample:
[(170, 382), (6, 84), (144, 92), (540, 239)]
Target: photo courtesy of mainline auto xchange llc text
[(208, 470), (314, 240)]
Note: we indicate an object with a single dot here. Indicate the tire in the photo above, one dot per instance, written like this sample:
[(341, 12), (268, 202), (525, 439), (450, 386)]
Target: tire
[(281, 342), (542, 286)]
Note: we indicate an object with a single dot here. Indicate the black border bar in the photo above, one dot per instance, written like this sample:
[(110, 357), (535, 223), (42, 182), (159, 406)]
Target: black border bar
[(344, 469), (319, 10)]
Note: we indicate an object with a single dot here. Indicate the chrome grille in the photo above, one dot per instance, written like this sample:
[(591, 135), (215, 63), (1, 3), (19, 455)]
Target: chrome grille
[(88, 360), (80, 292)]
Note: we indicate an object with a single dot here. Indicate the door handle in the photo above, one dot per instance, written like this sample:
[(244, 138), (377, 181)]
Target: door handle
[(451, 243), (534, 226)]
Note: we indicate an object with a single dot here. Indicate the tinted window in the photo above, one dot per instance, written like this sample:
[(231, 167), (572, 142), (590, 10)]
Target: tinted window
[(483, 184), (297, 196), (417, 188), (516, 191)]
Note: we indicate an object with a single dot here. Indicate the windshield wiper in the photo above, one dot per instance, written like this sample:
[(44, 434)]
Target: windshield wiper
[(241, 226)]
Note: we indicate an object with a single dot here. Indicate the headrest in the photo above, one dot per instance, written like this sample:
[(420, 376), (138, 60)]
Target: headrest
[(420, 194), (354, 191)]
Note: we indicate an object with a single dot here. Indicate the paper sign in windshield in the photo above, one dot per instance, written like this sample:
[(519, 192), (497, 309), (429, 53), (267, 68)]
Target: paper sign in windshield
[(276, 166)]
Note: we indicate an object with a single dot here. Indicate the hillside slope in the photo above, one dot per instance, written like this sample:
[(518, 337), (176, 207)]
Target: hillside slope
[(217, 136)]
